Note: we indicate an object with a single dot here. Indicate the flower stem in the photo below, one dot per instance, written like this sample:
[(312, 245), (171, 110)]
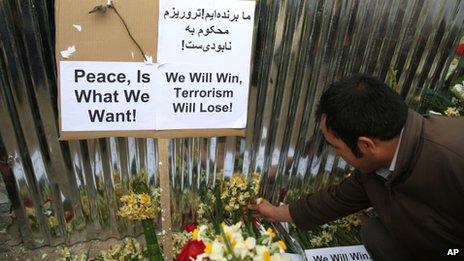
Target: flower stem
[(250, 223), (154, 253), (128, 31)]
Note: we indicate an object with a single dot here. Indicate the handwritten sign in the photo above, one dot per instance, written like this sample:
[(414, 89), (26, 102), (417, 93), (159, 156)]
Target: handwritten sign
[(345, 253), (106, 96), (205, 31)]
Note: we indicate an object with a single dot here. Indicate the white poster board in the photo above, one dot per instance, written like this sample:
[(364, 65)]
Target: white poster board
[(344, 253), (200, 80), (202, 97), (208, 44), (205, 32), (96, 96)]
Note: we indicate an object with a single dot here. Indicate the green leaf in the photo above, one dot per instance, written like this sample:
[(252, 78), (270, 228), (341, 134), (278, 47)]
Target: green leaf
[(392, 78), (99, 8)]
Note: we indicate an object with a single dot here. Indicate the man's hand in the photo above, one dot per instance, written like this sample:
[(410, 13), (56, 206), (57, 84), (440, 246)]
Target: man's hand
[(272, 213)]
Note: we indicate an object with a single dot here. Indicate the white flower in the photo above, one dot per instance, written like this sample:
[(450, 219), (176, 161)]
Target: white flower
[(234, 229), (217, 252), (250, 243), (452, 112), (240, 249), (262, 253), (458, 90), (454, 64), (201, 257)]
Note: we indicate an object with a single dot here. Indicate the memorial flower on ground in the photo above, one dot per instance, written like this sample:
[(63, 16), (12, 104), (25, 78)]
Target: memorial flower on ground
[(458, 90), (447, 99), (137, 207), (227, 201), (340, 232), (452, 112), (143, 204), (458, 100), (460, 50), (180, 239), (238, 192), (233, 242), (128, 250)]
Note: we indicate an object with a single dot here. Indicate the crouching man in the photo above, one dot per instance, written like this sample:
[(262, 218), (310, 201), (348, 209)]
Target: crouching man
[(410, 169)]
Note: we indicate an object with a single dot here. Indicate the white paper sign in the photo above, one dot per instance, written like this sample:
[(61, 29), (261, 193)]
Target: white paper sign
[(205, 31), (345, 253), (206, 96), (98, 96), (294, 257), (200, 80)]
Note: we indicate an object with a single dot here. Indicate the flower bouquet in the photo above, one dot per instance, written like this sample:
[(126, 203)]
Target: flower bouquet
[(129, 250), (447, 99), (233, 242), (227, 230), (143, 204), (342, 232)]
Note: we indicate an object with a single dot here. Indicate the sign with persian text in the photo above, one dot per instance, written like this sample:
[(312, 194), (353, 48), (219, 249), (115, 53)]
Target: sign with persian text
[(204, 48), (205, 32)]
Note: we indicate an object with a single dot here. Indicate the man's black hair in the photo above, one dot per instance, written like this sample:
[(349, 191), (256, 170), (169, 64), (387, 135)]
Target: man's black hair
[(362, 105)]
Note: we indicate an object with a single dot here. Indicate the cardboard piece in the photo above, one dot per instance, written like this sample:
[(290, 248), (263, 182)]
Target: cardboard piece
[(81, 36), (102, 36)]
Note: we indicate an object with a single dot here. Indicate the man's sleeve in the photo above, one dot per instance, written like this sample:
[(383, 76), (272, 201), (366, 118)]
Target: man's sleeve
[(329, 204)]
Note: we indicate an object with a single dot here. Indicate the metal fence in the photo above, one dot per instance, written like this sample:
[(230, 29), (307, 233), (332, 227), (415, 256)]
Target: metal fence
[(65, 192)]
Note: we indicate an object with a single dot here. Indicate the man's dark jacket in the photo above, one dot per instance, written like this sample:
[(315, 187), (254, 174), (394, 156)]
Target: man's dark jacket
[(421, 203)]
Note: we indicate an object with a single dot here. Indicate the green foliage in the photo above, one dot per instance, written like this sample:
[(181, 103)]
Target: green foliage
[(436, 100), (392, 78)]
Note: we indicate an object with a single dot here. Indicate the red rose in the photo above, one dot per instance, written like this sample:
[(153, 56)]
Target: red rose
[(191, 250), (190, 227), (460, 50)]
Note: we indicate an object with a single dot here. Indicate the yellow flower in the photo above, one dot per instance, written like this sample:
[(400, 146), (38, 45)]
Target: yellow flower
[(270, 232), (195, 234), (137, 207), (282, 245), (65, 252), (239, 192), (53, 221), (145, 198), (208, 248), (266, 255), (129, 199), (452, 112)]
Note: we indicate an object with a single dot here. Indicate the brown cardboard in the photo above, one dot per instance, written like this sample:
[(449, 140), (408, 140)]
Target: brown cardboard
[(74, 135), (104, 38)]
